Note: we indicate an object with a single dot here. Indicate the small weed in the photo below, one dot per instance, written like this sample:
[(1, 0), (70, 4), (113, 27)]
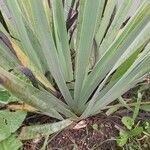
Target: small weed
[(134, 136)]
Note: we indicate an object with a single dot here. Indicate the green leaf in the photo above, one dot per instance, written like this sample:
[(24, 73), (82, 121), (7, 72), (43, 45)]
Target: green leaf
[(135, 74), (147, 126), (99, 20), (26, 11), (122, 140), (36, 131), (114, 29), (145, 108), (62, 38), (105, 21), (39, 38), (137, 106), (10, 122), (37, 46), (21, 30), (116, 49), (4, 96), (41, 100), (11, 143), (136, 131), (8, 60), (84, 46), (128, 122), (110, 111), (128, 62), (44, 35)]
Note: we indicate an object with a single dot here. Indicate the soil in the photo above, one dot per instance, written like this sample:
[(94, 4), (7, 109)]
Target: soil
[(97, 135)]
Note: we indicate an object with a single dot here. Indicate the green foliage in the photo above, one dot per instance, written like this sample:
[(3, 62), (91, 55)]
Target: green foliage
[(39, 40), (146, 108), (147, 126), (131, 133), (123, 138), (128, 122), (147, 133), (10, 122), (21, 76), (132, 137), (12, 142), (4, 96)]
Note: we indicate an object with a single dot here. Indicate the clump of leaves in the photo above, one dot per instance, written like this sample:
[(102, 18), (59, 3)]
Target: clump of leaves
[(110, 55), (131, 133), (136, 137)]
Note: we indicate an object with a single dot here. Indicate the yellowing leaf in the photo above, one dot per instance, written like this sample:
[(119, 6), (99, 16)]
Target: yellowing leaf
[(21, 106), (27, 63), (20, 55)]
